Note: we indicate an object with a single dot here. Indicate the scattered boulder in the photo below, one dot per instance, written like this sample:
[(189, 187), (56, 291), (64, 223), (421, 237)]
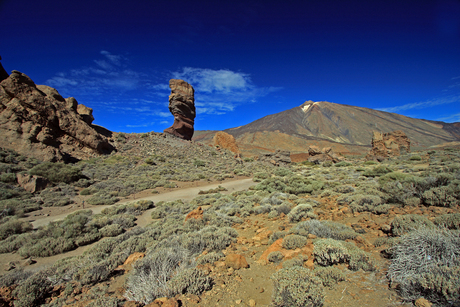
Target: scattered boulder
[(196, 214), (35, 120), (317, 155), (182, 107), (33, 183), (278, 158), (389, 144), (226, 141), (236, 261)]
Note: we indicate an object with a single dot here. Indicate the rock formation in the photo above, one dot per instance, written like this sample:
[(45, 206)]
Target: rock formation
[(317, 155), (182, 107), (3, 73), (278, 158), (36, 121), (226, 141), (390, 144)]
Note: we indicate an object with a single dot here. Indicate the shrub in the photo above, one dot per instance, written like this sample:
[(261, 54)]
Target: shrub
[(329, 251), (377, 171), (277, 235), (294, 241), (298, 261), (343, 189), (191, 281), (324, 229), (34, 289), (275, 256), (301, 211), (440, 196), (329, 275), (359, 259), (13, 226), (342, 163), (450, 221), (271, 185), (151, 275), (415, 158), (57, 172), (426, 264), (210, 257), (297, 286), (402, 224)]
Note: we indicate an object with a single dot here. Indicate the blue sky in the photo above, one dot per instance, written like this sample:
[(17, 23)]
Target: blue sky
[(245, 59)]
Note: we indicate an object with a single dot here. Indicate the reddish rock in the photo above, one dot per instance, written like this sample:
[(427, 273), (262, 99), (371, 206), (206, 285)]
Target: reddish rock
[(36, 121), (236, 261), (133, 258), (182, 107), (287, 253), (390, 144), (226, 141), (32, 184), (196, 214)]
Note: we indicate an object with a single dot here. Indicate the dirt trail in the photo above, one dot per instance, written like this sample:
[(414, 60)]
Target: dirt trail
[(184, 194)]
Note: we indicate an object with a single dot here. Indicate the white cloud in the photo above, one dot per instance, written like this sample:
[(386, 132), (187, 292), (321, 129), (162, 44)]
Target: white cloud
[(451, 118), (221, 91), (423, 104)]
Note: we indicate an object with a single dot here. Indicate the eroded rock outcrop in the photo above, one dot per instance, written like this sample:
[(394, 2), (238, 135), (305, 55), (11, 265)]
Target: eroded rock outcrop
[(182, 107), (226, 141), (278, 158), (317, 155), (389, 144), (36, 121)]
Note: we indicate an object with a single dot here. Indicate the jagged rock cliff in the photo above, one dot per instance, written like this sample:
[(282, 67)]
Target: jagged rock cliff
[(36, 121)]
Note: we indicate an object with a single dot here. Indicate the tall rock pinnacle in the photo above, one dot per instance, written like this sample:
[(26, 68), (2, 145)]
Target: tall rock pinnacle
[(182, 107), (3, 73)]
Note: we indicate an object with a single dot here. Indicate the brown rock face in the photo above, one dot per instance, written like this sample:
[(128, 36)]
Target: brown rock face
[(227, 141), (390, 144), (33, 183), (278, 158), (182, 107), (317, 155), (37, 121), (236, 261)]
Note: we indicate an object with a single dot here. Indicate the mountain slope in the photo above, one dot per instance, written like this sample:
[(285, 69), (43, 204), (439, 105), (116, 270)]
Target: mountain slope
[(345, 128)]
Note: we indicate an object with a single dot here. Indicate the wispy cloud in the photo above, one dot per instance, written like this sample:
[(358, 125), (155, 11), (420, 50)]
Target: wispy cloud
[(110, 84), (423, 104), (107, 74), (451, 118), (221, 91)]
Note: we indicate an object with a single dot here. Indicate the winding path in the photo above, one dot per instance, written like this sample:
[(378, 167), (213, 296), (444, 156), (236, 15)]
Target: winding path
[(144, 219)]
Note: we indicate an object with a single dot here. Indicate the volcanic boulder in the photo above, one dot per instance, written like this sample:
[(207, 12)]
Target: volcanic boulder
[(182, 107), (390, 144), (277, 158), (36, 121), (317, 155), (226, 141)]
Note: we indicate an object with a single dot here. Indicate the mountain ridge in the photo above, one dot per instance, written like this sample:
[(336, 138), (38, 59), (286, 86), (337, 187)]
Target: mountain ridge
[(345, 128)]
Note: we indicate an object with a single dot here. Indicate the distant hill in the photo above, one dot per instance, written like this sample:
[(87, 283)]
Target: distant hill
[(347, 129)]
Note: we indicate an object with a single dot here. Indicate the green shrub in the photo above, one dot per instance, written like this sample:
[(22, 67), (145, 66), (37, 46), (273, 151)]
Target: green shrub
[(329, 276), (359, 259), (34, 289), (425, 263), (329, 252), (450, 221), (191, 281), (275, 257), (415, 158), (324, 229), (402, 224), (13, 226), (301, 211), (276, 235), (151, 276), (271, 185), (342, 163), (440, 196), (297, 286), (210, 258), (377, 171), (294, 241), (298, 261), (57, 172)]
